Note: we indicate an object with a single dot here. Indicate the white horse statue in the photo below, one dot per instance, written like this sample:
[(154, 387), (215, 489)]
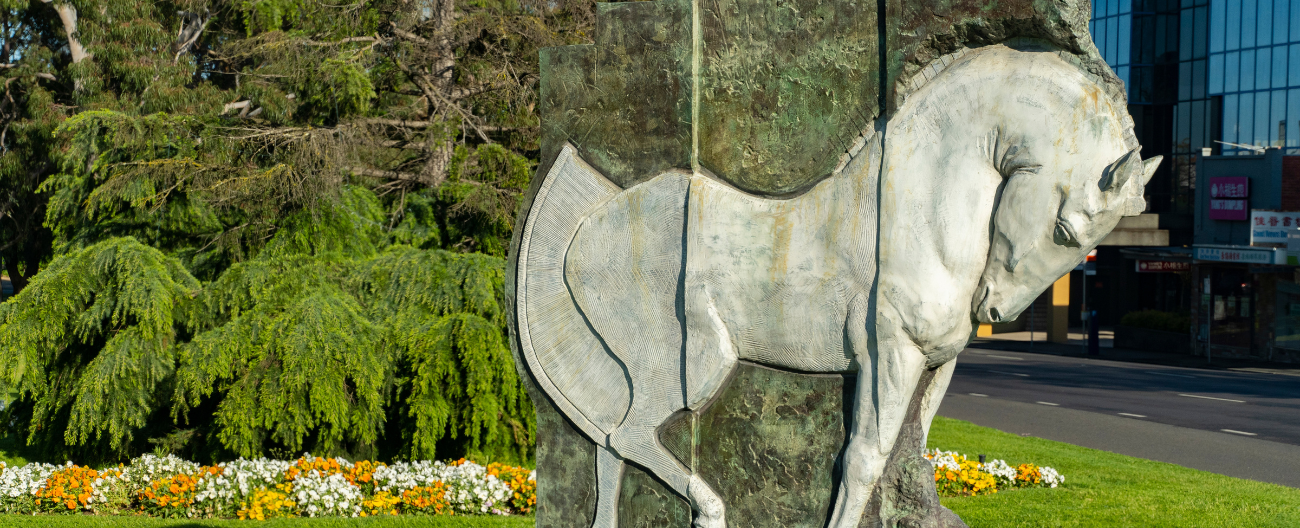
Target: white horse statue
[(993, 178)]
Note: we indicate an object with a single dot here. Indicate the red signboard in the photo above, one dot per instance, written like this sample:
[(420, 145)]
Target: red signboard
[(1228, 198), (1160, 266), (1232, 187)]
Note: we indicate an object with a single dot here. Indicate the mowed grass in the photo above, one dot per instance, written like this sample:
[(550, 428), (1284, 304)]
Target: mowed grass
[(1104, 489), (408, 521)]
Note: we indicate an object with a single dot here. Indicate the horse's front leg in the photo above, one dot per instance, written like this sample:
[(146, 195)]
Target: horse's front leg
[(889, 369)]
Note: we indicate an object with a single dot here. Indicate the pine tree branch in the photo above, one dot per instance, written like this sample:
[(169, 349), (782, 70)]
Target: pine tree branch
[(387, 175), (375, 39), (408, 35)]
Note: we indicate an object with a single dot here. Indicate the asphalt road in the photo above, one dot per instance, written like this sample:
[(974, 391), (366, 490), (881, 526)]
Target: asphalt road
[(1241, 424)]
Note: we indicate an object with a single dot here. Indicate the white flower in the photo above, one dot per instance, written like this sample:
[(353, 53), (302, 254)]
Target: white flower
[(1002, 471), (1051, 477)]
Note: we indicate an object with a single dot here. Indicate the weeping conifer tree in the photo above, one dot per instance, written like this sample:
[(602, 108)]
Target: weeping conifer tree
[(265, 227)]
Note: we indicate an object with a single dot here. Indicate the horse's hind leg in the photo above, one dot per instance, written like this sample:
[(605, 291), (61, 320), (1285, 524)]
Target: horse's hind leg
[(640, 445)]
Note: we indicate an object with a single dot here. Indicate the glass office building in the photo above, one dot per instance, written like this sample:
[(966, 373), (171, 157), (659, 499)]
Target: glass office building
[(1161, 49)]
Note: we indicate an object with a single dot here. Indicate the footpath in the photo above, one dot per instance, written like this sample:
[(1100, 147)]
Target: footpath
[(1019, 342)]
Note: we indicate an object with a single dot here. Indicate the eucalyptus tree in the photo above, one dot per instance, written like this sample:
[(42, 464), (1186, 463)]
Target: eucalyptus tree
[(262, 227)]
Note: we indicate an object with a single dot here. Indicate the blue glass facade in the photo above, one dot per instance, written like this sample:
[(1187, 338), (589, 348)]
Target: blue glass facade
[(1159, 49), (1255, 67)]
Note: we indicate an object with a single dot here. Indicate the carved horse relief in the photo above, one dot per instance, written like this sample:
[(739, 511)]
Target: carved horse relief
[(991, 180)]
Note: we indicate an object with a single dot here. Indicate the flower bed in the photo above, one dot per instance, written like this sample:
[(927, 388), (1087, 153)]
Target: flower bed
[(954, 474), (261, 489)]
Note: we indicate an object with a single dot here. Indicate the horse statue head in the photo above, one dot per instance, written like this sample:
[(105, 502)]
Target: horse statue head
[(1068, 177)]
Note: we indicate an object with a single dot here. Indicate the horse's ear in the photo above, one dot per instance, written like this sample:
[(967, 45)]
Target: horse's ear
[(1149, 167), (1119, 173)]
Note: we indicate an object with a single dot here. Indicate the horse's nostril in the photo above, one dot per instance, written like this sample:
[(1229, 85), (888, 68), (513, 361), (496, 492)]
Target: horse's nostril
[(995, 315)]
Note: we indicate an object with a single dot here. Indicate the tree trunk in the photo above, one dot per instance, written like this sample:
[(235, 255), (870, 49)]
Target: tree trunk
[(68, 15)]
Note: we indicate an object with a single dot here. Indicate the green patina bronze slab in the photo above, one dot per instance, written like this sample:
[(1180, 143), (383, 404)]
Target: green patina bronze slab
[(785, 88), (624, 102)]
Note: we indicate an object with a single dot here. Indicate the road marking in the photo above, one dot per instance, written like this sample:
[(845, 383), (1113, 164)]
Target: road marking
[(1265, 371), (1171, 375), (978, 394), (1009, 373), (1238, 432), (1049, 403), (1133, 415), (1211, 398), (1005, 357)]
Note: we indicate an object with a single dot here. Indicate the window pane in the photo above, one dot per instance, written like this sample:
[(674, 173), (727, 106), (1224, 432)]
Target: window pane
[(1248, 70), (1281, 20), (1198, 43), (1216, 74), (1198, 126), (1230, 121), (1198, 79), (1246, 119), (1185, 36), (1278, 118), (1249, 9), (1183, 127), (1263, 62), (1234, 26), (1261, 119), (1231, 72), (1112, 7), (1295, 23), (1122, 73), (1184, 81), (1279, 67), (1125, 6), (1125, 31), (1111, 41), (1217, 10), (1264, 23), (1293, 118)]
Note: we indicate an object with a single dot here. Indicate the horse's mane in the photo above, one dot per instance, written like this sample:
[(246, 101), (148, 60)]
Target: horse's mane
[(906, 87)]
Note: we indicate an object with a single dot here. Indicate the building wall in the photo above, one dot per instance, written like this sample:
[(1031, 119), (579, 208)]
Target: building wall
[(1265, 193)]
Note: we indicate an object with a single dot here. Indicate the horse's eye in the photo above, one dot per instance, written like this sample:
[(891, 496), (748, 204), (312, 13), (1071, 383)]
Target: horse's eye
[(1064, 235)]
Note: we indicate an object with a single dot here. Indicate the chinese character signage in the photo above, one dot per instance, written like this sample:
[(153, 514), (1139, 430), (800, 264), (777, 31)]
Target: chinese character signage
[(1158, 266), (1234, 187), (1242, 255), (1228, 198), (1271, 227)]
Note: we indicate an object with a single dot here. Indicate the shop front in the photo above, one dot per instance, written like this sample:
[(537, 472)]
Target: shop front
[(1245, 296)]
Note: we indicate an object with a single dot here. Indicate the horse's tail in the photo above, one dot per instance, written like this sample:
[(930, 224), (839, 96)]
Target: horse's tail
[(563, 353)]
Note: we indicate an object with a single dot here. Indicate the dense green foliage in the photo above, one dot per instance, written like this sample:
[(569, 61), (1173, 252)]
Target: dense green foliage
[(265, 226), (1158, 320), (1107, 489)]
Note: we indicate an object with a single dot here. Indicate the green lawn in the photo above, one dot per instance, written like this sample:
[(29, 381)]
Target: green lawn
[(90, 521), (1104, 489)]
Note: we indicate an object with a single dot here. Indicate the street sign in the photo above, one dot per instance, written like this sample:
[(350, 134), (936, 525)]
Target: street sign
[(1161, 266)]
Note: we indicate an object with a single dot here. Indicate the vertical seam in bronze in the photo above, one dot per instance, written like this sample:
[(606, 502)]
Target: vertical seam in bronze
[(697, 44)]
